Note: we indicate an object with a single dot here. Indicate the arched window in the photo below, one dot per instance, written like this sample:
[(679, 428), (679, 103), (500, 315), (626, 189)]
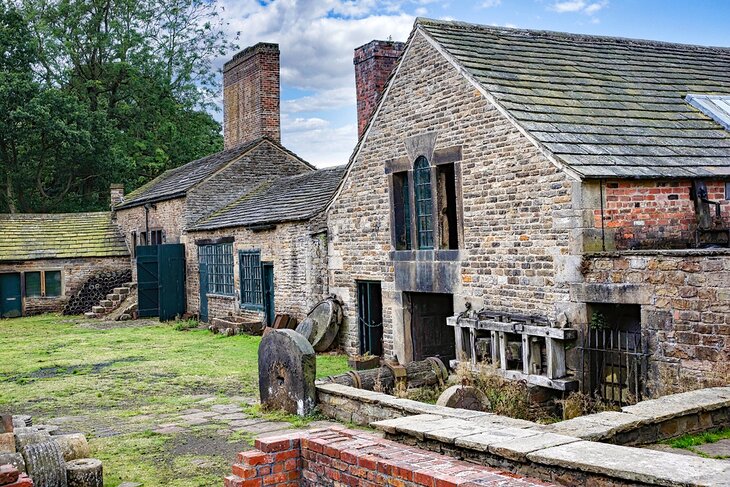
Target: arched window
[(424, 203)]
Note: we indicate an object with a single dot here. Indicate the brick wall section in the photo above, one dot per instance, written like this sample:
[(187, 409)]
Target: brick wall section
[(251, 95), (11, 477), (516, 209), (298, 251), (264, 162), (686, 313), (373, 64), (74, 273), (654, 214), (338, 457)]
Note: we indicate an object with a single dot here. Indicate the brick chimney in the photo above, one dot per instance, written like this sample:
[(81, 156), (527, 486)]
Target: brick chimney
[(116, 192), (373, 64), (251, 95)]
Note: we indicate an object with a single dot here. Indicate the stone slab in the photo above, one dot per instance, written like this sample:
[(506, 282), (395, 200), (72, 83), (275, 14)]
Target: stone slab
[(682, 404), (226, 408), (718, 449), (482, 441), (405, 423), (495, 420), (243, 423), (7, 443), (599, 426), (230, 417), (517, 448), (448, 430), (632, 464)]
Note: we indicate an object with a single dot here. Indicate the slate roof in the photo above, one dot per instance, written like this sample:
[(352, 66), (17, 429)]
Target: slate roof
[(175, 183), (28, 236), (289, 198), (604, 106)]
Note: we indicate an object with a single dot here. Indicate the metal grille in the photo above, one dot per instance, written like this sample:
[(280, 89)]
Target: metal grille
[(424, 203), (613, 364), (250, 270), (219, 258)]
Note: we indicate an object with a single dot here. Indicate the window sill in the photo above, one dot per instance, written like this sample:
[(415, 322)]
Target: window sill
[(43, 297), (221, 296), (252, 307), (426, 255)]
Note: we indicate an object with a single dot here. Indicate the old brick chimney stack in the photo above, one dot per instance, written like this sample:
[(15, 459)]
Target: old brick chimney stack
[(251, 95), (373, 64), (116, 194)]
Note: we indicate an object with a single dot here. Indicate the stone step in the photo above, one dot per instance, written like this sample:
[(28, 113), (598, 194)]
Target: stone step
[(106, 303), (90, 314), (98, 309), (114, 297), (121, 291)]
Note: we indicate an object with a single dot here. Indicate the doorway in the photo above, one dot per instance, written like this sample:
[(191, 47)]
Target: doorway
[(11, 302), (370, 317), (267, 275), (430, 335)]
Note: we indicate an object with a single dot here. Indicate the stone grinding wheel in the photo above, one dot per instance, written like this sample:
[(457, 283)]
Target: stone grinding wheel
[(84, 472), (326, 318), (14, 459), (73, 446), (30, 438), (45, 465), (305, 328), (464, 397), (287, 369)]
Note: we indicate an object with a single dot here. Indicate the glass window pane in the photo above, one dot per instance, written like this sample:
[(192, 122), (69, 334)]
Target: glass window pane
[(33, 284), (424, 203), (53, 283)]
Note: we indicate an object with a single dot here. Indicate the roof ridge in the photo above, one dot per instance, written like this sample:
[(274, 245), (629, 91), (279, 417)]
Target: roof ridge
[(566, 35)]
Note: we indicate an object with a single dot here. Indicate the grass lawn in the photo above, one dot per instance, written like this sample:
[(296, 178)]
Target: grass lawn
[(117, 384)]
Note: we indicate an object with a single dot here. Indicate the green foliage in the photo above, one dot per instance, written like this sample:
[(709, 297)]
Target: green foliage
[(184, 325), (100, 92), (689, 441), (598, 321)]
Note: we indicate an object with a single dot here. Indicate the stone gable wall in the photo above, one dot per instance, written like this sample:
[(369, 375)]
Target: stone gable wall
[(298, 253), (74, 273), (516, 205)]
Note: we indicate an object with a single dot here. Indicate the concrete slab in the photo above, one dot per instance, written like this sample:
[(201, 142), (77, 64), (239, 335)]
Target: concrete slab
[(482, 441), (633, 464), (518, 448)]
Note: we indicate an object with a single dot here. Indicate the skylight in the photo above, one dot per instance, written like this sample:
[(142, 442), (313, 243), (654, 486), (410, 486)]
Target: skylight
[(716, 107)]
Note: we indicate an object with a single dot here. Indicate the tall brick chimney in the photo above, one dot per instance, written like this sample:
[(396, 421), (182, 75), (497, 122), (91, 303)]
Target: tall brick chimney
[(373, 64), (116, 194), (251, 95)]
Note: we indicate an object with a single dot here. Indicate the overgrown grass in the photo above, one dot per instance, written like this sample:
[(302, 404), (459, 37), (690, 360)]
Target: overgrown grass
[(54, 366), (688, 442)]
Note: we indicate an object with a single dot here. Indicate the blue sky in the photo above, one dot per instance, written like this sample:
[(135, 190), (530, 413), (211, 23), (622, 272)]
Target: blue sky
[(317, 37)]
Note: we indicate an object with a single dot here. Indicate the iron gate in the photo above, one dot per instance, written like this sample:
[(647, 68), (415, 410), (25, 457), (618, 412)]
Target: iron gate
[(613, 364)]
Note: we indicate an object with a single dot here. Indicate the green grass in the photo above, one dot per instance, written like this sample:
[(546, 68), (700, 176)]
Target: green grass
[(688, 442), (130, 379)]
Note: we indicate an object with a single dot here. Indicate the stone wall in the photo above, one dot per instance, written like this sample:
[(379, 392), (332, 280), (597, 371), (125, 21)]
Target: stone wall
[(74, 273), (298, 252), (651, 214), (166, 215), (685, 306), (515, 211)]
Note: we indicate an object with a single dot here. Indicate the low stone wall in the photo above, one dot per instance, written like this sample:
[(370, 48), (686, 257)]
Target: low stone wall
[(338, 456)]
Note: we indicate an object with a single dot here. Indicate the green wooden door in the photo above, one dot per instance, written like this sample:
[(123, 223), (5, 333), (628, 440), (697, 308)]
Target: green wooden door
[(171, 271), (148, 281), (11, 301), (267, 269)]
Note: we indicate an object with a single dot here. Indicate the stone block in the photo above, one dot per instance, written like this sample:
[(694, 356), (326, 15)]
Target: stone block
[(7, 443), (612, 293), (517, 448)]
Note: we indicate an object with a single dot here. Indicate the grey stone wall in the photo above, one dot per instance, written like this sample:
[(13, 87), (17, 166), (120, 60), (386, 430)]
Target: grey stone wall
[(515, 211), (74, 273)]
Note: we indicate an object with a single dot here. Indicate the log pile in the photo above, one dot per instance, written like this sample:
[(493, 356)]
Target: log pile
[(94, 290)]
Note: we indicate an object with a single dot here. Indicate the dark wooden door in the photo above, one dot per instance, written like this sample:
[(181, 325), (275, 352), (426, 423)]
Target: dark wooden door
[(11, 301), (148, 281), (370, 317), (171, 270), (430, 335), (267, 276), (203, 292)]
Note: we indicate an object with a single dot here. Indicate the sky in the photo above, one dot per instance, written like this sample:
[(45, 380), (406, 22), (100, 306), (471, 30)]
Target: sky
[(317, 38)]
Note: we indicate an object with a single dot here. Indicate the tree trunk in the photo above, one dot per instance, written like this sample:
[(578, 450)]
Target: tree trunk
[(418, 374)]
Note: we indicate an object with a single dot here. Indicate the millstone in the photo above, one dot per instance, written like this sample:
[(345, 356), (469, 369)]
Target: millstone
[(306, 329), (73, 446), (45, 464), (30, 438), (14, 459), (287, 369), (84, 472), (324, 319), (464, 397)]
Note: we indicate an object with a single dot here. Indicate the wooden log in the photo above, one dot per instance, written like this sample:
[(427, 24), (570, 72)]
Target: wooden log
[(417, 374)]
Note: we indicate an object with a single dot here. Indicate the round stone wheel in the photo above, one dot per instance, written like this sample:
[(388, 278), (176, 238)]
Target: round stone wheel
[(464, 397), (287, 369), (23, 439), (326, 318), (14, 459), (84, 472), (306, 329), (45, 465), (73, 446)]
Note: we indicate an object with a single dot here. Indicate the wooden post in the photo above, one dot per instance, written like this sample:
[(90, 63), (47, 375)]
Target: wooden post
[(555, 358)]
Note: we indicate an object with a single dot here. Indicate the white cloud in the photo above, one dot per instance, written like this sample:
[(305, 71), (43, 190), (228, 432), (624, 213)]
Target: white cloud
[(490, 3), (579, 6), (322, 100)]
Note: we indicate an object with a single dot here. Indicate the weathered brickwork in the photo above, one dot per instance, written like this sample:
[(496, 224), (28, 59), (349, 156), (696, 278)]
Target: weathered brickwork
[(516, 206), (238, 178), (298, 252), (165, 215), (74, 273), (685, 305), (653, 214)]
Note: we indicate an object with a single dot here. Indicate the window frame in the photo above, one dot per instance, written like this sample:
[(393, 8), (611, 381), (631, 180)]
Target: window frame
[(42, 276), (424, 201), (221, 268), (250, 277)]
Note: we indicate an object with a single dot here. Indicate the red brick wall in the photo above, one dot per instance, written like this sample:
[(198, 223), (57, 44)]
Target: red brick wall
[(338, 457), (251, 104), (373, 64), (653, 214)]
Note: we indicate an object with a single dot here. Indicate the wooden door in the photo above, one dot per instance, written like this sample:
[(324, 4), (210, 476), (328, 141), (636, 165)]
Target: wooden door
[(267, 269), (430, 335), (11, 301)]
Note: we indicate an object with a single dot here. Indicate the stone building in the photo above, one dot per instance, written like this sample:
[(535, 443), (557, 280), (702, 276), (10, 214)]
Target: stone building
[(46, 258), (251, 214), (569, 187)]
